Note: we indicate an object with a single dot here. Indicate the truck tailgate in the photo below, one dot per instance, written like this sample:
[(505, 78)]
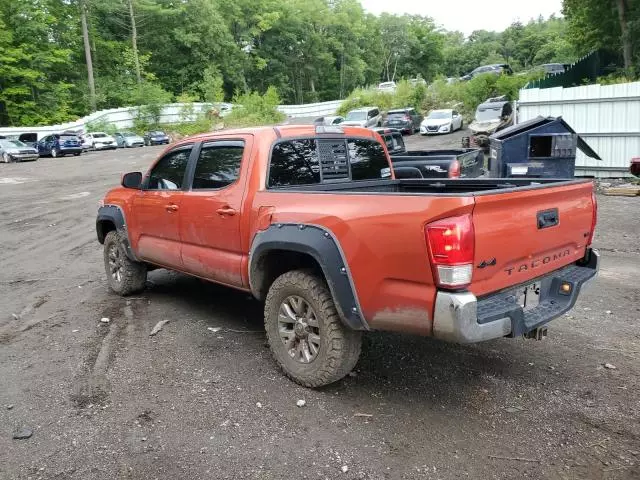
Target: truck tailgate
[(524, 234)]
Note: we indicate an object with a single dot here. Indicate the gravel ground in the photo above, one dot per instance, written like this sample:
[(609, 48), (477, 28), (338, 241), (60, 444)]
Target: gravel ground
[(106, 400)]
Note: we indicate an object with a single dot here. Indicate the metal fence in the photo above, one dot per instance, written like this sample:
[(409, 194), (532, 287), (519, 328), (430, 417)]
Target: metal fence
[(585, 70), (122, 118), (606, 116)]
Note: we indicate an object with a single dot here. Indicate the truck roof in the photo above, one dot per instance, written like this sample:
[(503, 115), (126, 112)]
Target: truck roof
[(285, 131)]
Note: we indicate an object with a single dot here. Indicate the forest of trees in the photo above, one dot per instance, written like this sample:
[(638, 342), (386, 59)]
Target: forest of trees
[(140, 51)]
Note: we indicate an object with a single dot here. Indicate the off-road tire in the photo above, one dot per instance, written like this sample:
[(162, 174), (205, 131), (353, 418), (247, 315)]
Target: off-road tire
[(340, 346), (133, 274)]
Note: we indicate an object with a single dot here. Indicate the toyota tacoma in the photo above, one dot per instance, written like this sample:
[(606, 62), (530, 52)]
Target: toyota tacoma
[(312, 222)]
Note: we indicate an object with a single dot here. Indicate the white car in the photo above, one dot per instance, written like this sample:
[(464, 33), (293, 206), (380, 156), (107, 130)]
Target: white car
[(387, 87), (441, 121), (98, 141)]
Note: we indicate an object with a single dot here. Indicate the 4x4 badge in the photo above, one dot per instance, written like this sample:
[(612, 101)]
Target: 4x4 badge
[(487, 263)]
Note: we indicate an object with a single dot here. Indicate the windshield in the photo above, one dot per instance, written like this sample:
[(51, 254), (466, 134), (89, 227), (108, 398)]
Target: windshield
[(439, 115), (488, 114), (99, 135), (11, 144), (387, 84), (157, 133), (129, 134), (357, 116)]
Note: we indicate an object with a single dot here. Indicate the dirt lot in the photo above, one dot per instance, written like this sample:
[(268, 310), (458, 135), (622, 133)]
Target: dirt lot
[(106, 400)]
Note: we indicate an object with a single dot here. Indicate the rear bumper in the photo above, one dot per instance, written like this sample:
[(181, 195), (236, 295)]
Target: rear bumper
[(463, 318)]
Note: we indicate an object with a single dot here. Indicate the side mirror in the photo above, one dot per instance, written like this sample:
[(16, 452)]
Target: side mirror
[(132, 180)]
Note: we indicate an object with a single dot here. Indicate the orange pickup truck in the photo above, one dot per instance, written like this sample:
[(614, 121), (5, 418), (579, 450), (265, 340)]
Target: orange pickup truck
[(312, 222)]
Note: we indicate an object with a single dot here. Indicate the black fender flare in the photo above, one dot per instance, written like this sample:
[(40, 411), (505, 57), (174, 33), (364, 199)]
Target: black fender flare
[(321, 244), (114, 214)]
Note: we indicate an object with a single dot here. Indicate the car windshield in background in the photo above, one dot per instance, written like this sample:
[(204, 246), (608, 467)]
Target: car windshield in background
[(129, 134), (439, 115), (486, 114), (157, 134), (357, 116), (11, 144), (99, 135)]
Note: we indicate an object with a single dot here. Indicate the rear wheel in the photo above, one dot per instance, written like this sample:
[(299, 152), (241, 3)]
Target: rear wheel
[(123, 274), (306, 336), (54, 153), (76, 154)]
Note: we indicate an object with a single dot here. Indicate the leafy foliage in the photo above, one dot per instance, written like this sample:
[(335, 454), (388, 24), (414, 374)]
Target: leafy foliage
[(307, 50), (253, 109)]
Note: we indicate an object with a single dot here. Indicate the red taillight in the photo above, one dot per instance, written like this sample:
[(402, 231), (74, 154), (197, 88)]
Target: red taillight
[(451, 250), (454, 169), (594, 218)]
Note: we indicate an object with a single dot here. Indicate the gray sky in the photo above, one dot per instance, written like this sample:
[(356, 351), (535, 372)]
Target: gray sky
[(469, 15)]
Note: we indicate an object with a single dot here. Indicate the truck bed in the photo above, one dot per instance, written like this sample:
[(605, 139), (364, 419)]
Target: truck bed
[(439, 187), (438, 163)]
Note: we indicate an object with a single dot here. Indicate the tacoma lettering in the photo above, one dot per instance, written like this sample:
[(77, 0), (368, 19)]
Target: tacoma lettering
[(525, 267)]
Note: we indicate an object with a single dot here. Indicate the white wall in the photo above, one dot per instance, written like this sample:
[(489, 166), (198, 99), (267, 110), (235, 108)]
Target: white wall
[(122, 118), (606, 116)]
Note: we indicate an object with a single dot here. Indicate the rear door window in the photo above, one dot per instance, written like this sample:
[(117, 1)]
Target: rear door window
[(218, 165)]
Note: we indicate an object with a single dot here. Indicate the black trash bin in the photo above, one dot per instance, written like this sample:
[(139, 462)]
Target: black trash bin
[(541, 148)]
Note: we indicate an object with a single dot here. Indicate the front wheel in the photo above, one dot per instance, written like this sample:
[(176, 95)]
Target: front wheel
[(305, 333), (6, 158), (124, 275)]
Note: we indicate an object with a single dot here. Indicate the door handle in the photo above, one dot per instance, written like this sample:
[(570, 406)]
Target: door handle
[(226, 211), (171, 208)]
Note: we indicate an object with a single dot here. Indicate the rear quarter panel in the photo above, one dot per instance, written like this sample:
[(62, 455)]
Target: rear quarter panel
[(382, 239)]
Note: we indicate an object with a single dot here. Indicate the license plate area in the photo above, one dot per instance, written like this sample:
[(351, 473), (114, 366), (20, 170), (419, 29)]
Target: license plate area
[(528, 296)]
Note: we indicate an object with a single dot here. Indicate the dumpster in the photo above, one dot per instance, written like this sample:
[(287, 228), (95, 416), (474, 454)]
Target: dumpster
[(544, 147)]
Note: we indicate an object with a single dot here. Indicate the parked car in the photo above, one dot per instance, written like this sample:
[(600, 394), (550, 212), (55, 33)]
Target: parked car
[(30, 139), (156, 137), (393, 139), (59, 145), (634, 167), (99, 141), (441, 121), (405, 119), (16, 151), (128, 139), (496, 69), (329, 120), (462, 260), (491, 116), (364, 117), (387, 87), (462, 163)]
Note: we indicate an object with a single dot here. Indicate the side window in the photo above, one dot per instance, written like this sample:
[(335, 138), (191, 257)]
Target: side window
[(368, 161), (455, 114), (218, 166), (294, 163), (168, 173)]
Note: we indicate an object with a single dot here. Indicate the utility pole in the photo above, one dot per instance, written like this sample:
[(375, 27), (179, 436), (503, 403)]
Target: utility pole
[(87, 55), (134, 42)]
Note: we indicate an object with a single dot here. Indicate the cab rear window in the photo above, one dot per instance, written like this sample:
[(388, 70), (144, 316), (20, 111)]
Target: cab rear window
[(314, 161)]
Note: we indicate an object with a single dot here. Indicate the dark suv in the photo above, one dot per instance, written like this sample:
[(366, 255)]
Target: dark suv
[(59, 145), (405, 119)]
